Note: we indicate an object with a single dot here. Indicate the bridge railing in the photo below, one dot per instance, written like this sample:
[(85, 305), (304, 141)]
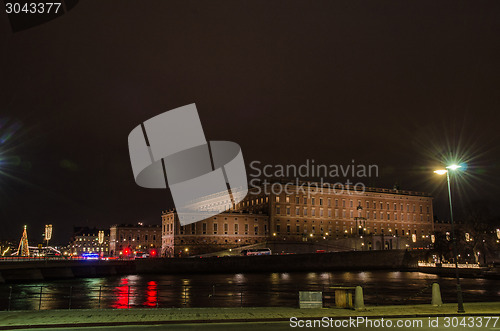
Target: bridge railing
[(160, 295)]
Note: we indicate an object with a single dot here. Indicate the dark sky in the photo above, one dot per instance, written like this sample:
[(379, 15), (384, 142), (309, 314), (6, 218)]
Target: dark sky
[(406, 85)]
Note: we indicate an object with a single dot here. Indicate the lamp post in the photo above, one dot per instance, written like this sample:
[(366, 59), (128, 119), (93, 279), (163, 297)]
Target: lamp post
[(455, 251)]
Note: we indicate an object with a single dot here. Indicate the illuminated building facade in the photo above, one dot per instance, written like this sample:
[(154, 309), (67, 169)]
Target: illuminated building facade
[(86, 240), (128, 238), (377, 218)]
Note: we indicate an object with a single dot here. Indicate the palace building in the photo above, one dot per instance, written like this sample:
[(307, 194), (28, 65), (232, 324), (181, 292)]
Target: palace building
[(368, 219)]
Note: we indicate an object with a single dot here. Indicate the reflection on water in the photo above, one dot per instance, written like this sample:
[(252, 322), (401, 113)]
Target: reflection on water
[(234, 290), (122, 294), (151, 294)]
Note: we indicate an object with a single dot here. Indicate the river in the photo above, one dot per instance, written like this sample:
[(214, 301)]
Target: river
[(235, 290)]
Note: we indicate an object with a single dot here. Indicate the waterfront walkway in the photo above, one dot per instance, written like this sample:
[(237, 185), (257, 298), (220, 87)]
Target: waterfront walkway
[(87, 317)]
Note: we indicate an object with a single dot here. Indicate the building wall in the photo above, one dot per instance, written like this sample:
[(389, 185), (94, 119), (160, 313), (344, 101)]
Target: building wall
[(86, 240), (135, 237), (306, 214), (323, 213), (221, 232)]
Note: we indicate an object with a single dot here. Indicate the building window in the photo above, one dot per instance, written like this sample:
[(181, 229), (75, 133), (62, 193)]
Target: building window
[(321, 212), (215, 228), (226, 228), (313, 201), (256, 230), (329, 213), (351, 214), (278, 228), (305, 201), (297, 211), (246, 228), (288, 210), (297, 200), (321, 201), (204, 227), (395, 206), (305, 211), (367, 204), (329, 202), (236, 228), (278, 210), (336, 202), (288, 229), (298, 229), (313, 212), (350, 203), (287, 199), (343, 203)]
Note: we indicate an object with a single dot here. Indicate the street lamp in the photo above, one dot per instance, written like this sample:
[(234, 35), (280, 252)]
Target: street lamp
[(455, 252)]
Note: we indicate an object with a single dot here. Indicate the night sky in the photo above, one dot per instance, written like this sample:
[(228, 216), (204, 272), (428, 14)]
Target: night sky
[(406, 85)]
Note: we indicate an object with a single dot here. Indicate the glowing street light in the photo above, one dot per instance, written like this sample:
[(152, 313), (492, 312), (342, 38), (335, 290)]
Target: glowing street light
[(453, 167)]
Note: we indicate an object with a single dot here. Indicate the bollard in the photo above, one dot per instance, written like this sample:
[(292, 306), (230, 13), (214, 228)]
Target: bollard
[(359, 302), (436, 295)]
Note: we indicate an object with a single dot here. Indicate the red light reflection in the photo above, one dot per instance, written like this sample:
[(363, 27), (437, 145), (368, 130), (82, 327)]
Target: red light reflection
[(122, 293), (151, 294)]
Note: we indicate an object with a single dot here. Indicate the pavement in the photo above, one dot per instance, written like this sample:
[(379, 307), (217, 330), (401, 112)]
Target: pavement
[(153, 316)]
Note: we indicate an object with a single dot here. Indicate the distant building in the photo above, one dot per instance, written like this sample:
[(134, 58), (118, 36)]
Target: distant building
[(86, 240), (125, 239), (378, 219)]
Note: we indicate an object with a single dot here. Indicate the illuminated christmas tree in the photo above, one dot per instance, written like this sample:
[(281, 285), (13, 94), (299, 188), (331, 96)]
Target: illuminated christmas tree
[(23, 249)]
